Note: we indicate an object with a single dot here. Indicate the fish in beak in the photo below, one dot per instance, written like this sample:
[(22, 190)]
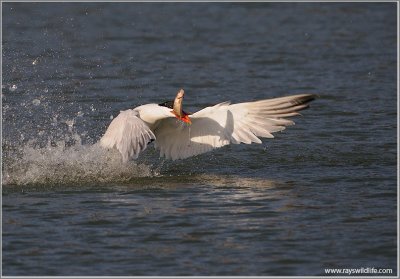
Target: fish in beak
[(177, 108)]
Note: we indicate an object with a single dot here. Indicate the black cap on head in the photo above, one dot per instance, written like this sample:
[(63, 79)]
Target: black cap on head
[(168, 104)]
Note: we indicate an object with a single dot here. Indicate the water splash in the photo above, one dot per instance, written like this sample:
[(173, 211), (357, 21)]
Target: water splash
[(49, 136), (62, 163)]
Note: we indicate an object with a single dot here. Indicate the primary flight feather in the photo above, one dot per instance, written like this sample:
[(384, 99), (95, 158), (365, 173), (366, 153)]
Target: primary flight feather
[(179, 135)]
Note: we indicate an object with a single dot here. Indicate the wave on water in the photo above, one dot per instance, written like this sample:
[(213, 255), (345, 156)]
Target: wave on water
[(62, 163)]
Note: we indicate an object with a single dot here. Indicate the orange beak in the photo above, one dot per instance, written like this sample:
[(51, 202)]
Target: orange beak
[(185, 118)]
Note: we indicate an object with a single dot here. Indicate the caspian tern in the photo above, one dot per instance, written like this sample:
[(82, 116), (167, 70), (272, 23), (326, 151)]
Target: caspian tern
[(179, 135)]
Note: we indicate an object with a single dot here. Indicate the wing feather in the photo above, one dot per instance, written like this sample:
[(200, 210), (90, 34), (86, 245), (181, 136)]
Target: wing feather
[(222, 124), (129, 134)]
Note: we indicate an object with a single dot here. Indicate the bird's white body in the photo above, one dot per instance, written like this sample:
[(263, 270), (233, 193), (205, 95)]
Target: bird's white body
[(212, 127)]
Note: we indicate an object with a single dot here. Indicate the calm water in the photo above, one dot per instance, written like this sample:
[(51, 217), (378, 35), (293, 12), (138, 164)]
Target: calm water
[(322, 194)]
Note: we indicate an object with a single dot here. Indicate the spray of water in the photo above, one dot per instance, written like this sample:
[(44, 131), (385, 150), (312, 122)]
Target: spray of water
[(59, 163)]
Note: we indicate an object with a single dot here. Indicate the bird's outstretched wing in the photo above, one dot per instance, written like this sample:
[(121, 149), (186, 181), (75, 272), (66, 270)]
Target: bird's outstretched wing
[(129, 134), (222, 124)]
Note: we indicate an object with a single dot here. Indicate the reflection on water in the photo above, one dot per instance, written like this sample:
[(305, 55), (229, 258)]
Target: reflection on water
[(152, 223)]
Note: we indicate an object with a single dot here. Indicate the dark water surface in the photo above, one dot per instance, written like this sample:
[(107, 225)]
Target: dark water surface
[(321, 194)]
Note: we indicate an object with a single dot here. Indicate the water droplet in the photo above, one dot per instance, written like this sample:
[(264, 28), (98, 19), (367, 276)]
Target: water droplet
[(111, 117), (70, 123), (80, 114), (35, 61), (36, 102), (13, 87)]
